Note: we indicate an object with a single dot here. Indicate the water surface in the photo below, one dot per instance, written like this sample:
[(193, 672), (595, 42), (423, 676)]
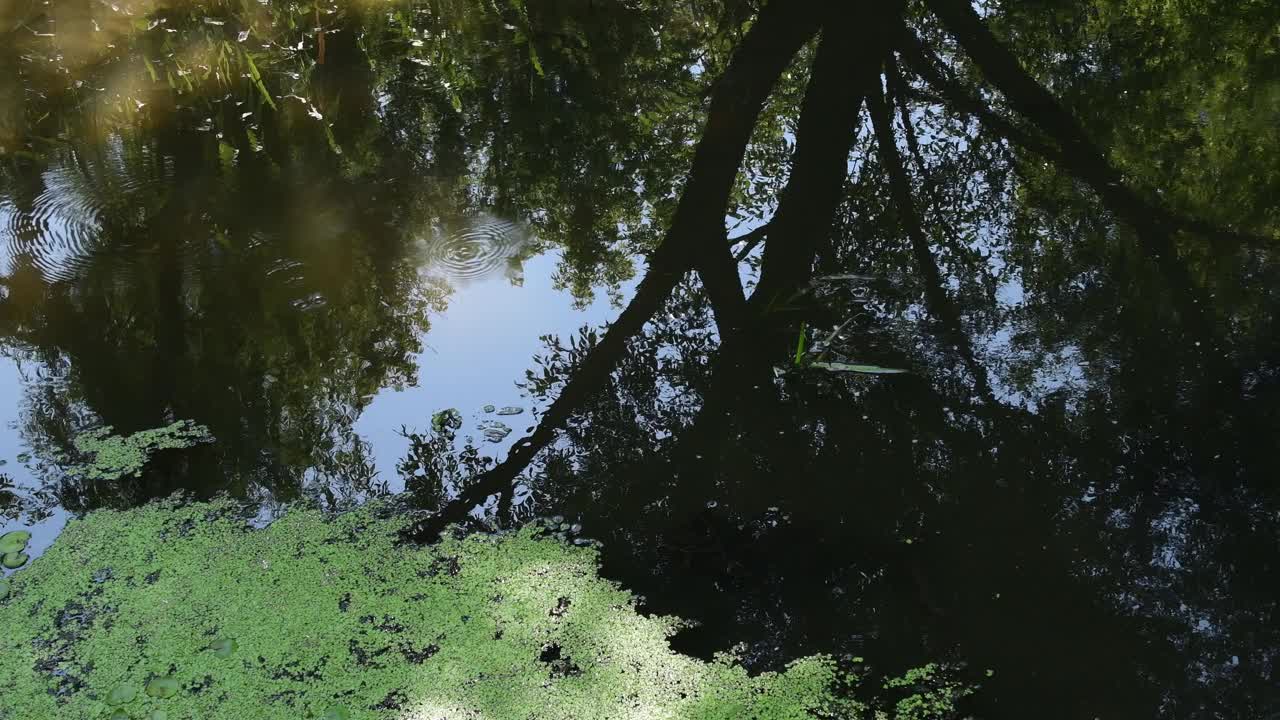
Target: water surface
[(311, 228)]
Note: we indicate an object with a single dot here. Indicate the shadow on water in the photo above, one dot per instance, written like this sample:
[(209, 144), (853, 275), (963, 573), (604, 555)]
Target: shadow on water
[(997, 387)]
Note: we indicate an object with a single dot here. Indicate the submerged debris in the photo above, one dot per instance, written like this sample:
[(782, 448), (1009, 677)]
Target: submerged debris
[(494, 432)]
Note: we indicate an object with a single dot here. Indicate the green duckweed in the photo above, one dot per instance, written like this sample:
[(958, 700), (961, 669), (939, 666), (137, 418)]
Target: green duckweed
[(335, 618), (110, 457)]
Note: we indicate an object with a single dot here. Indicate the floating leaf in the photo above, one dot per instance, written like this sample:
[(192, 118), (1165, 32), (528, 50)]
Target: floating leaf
[(337, 712), (511, 410), (118, 714), (4, 588), (121, 694), (157, 715), (12, 542), (163, 687), (223, 647), (14, 560), (865, 369)]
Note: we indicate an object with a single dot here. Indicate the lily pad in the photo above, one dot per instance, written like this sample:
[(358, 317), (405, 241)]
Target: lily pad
[(15, 541), (4, 588), (118, 714), (223, 647), (14, 560), (163, 687), (337, 712), (157, 715), (122, 694), (864, 369)]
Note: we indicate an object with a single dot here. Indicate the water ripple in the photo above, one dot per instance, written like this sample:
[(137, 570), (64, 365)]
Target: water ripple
[(473, 248)]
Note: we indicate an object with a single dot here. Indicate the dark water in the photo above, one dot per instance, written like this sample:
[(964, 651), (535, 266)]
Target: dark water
[(306, 227)]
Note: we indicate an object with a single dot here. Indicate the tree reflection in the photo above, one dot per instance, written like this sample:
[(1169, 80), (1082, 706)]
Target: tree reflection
[(1040, 215)]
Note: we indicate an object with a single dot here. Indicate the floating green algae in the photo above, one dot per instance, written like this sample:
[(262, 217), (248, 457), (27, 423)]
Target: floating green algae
[(110, 457), (334, 618)]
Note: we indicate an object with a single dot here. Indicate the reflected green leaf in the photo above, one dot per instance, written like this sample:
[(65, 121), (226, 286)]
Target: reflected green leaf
[(864, 369)]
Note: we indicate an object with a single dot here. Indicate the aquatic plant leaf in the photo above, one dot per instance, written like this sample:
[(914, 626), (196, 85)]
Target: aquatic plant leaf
[(163, 687), (223, 647), (14, 560), (122, 694), (337, 712), (158, 715), (864, 369), (4, 588), (118, 714), (15, 541)]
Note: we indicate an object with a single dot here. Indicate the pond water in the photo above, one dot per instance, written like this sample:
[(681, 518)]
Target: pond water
[(311, 228)]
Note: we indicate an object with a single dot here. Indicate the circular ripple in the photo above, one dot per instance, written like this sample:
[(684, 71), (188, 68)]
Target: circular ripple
[(60, 231), (474, 248)]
